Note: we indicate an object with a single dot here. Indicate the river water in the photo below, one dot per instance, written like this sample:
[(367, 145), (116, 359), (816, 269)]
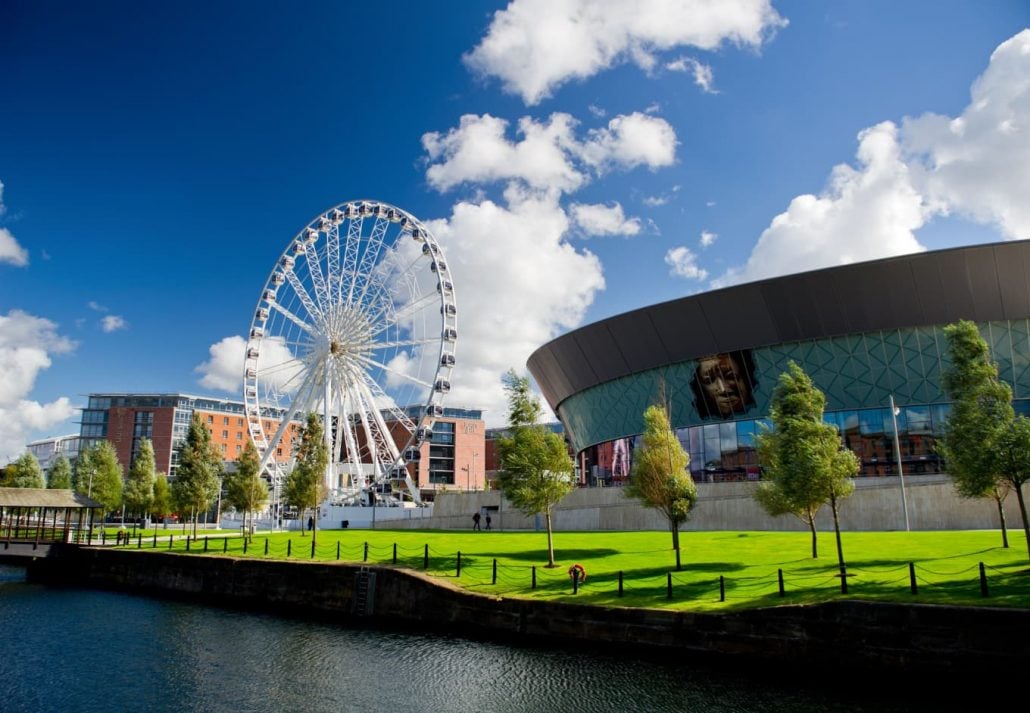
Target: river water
[(78, 650)]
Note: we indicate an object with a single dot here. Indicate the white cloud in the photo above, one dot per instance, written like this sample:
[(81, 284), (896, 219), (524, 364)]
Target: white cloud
[(599, 219), (519, 283), (597, 111), (683, 263), (112, 323), (224, 370), (96, 306), (655, 201), (702, 73), (708, 238), (10, 251), (549, 156), (26, 345), (535, 46), (978, 164)]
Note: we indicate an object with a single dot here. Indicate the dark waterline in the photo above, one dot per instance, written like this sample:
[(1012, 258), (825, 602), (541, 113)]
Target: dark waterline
[(82, 650)]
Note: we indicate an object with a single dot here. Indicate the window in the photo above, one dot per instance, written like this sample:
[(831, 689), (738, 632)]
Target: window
[(239, 435), (225, 420), (211, 419), (239, 449), (223, 448), (225, 434)]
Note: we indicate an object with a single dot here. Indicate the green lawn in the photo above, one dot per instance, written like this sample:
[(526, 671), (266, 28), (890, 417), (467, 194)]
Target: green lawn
[(947, 564)]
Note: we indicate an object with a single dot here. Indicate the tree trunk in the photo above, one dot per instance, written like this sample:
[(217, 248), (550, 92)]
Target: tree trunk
[(550, 541), (836, 529), (999, 499), (314, 526), (1022, 511), (676, 542), (811, 526)]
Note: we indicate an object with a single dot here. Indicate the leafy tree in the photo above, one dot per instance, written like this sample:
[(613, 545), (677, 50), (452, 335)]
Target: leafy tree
[(161, 505), (246, 490), (984, 441), (536, 470), (60, 475), (98, 475), (660, 478), (802, 456), (139, 487), (196, 481), (23, 473), (305, 486), (772, 499)]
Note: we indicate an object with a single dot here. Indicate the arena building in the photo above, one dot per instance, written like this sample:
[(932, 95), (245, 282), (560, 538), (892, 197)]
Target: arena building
[(869, 335)]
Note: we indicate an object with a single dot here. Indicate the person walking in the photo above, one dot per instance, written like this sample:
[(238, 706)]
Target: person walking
[(488, 521), (475, 521)]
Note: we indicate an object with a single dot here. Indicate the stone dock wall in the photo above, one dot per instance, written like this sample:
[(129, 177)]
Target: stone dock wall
[(857, 637)]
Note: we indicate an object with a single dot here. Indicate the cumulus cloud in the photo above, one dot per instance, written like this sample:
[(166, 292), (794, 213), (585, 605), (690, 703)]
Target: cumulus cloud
[(708, 238), (10, 251), (976, 164), (655, 201), (599, 219), (26, 346), (683, 263), (535, 46), (519, 283), (548, 155), (224, 370), (113, 322), (702, 73), (96, 306)]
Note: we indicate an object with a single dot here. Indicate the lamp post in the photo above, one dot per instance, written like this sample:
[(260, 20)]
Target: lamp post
[(897, 453)]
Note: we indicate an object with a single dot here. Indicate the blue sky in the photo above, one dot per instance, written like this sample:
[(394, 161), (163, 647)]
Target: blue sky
[(576, 160)]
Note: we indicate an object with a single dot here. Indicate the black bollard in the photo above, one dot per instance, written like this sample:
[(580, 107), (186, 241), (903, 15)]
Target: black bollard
[(459, 564), (103, 537), (312, 548), (425, 558), (722, 588), (139, 541), (289, 548), (495, 571), (206, 540), (668, 586), (244, 545), (366, 553), (395, 553), (983, 581), (169, 542), (912, 577), (534, 576), (575, 581), (782, 593), (266, 547), (187, 543), (843, 579), (337, 551), (620, 582), (155, 539)]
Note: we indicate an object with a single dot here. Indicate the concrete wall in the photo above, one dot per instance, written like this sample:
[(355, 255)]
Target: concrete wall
[(883, 639), (875, 506)]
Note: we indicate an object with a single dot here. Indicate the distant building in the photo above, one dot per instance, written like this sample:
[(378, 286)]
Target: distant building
[(452, 459), (48, 450)]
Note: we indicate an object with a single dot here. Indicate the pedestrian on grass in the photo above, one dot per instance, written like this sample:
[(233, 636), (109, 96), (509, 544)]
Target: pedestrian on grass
[(488, 521)]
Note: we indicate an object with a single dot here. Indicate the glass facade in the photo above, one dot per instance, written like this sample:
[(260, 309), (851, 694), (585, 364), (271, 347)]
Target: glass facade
[(719, 403)]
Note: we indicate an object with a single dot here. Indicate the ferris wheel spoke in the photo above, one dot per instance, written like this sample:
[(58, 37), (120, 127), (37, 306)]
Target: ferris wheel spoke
[(369, 259), (391, 318), (292, 317), (314, 263), (350, 258), (332, 255), (390, 405), (287, 415), (399, 374), (382, 285), (382, 438), (376, 346), (302, 293)]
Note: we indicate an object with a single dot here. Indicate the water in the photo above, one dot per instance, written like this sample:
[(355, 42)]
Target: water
[(76, 651)]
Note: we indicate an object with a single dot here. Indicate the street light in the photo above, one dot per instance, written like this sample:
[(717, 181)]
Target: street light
[(897, 453)]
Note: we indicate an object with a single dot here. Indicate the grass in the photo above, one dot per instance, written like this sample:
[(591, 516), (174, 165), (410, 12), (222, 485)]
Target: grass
[(946, 563)]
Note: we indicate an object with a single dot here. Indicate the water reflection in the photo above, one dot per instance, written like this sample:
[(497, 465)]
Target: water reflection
[(88, 651)]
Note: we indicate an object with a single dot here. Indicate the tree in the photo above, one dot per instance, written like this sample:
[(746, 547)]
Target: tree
[(196, 481), (139, 487), (660, 478), (802, 456), (984, 441), (23, 473), (305, 485), (60, 475), (536, 470), (246, 490), (773, 500), (161, 505), (98, 475)]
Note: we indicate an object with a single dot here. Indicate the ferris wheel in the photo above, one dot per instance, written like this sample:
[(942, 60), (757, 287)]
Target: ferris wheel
[(357, 322)]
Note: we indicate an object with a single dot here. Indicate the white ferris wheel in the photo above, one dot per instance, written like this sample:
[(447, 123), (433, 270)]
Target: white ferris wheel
[(357, 322)]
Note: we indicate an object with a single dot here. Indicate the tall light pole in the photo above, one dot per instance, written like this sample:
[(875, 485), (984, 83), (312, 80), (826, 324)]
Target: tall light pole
[(474, 454), (897, 453)]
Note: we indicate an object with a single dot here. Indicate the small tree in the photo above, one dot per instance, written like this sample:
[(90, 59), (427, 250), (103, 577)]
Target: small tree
[(60, 475), (774, 501), (161, 505), (536, 470), (246, 490), (200, 467), (305, 485), (98, 475), (981, 415), (23, 473), (139, 487), (802, 455), (660, 478)]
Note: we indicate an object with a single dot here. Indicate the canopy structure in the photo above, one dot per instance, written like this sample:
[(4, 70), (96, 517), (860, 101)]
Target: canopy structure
[(39, 515)]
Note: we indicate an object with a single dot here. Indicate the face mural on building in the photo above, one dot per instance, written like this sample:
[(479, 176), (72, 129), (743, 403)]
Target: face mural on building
[(723, 384)]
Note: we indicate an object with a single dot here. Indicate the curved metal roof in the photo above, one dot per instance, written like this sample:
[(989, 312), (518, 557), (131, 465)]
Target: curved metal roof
[(981, 283)]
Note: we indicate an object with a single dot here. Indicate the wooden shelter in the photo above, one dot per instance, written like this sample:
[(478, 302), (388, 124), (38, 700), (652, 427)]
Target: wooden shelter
[(39, 515)]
